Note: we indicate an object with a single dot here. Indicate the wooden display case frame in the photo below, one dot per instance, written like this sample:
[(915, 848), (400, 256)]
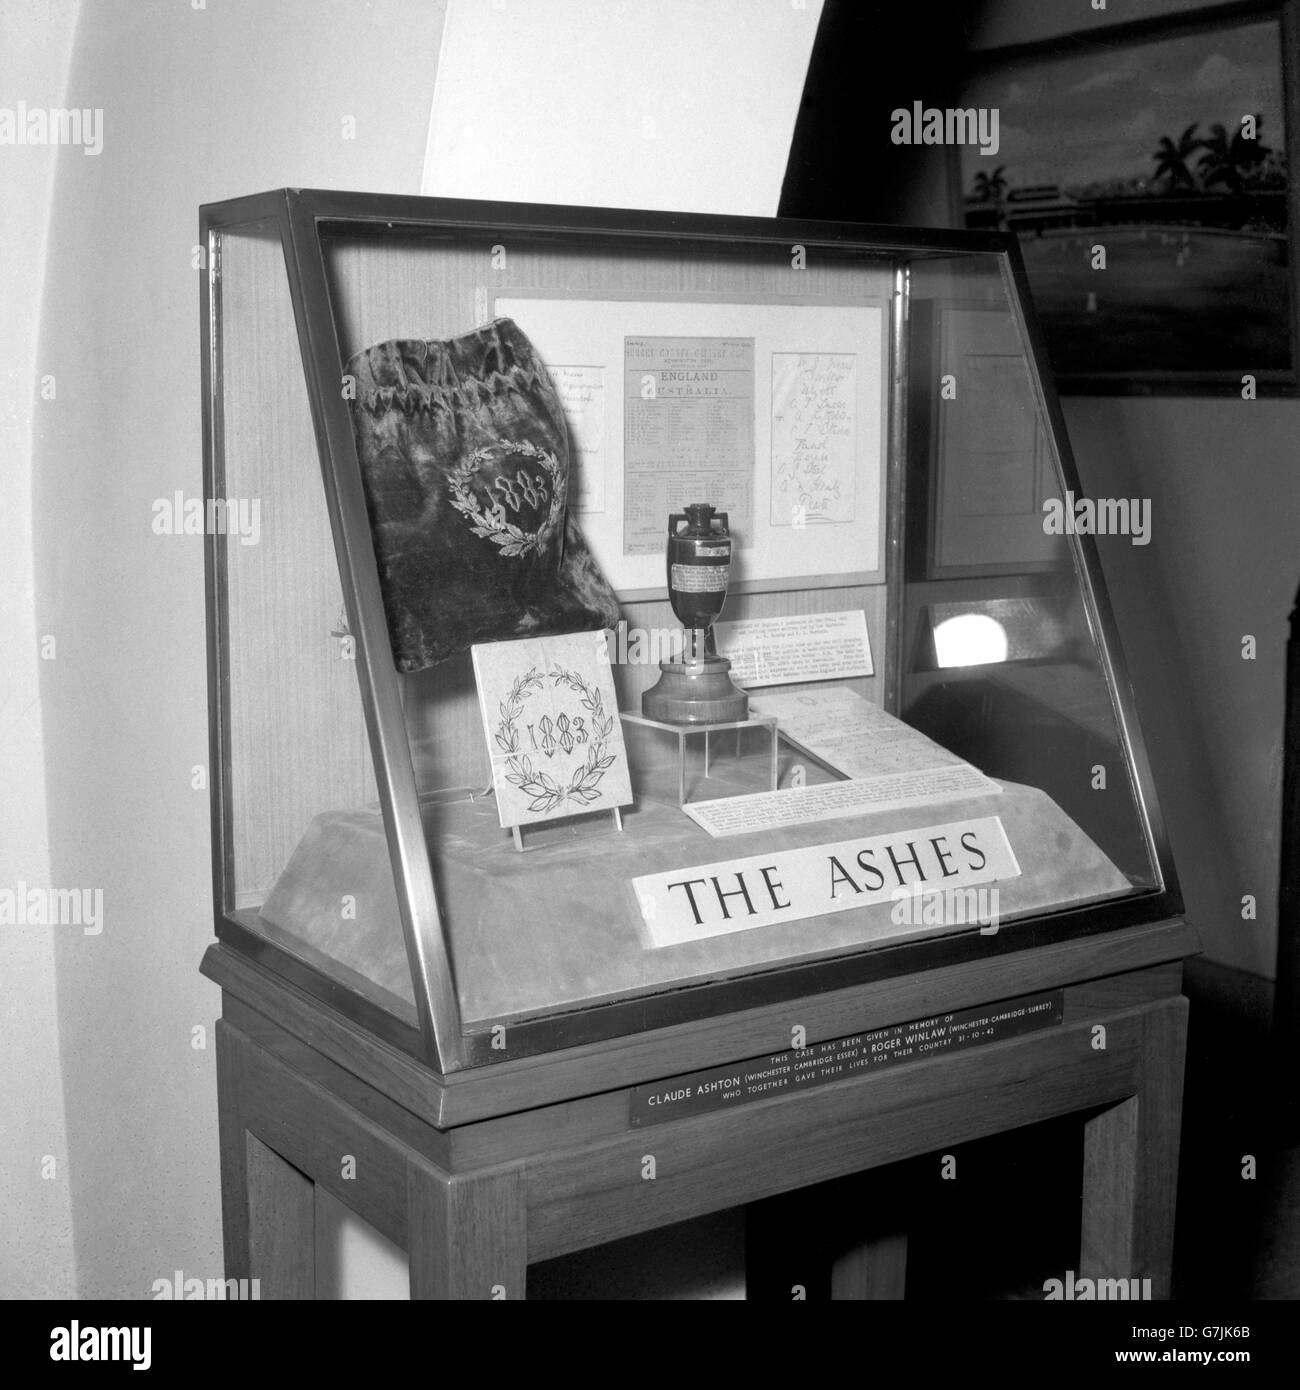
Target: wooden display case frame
[(439, 1040), (477, 1170)]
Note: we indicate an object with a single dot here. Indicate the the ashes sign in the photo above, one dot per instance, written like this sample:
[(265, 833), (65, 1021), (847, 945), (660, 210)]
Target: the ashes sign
[(789, 885)]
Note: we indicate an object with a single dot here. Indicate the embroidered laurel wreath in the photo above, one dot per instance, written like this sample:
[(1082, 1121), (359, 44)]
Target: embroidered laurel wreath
[(551, 736), (524, 490)]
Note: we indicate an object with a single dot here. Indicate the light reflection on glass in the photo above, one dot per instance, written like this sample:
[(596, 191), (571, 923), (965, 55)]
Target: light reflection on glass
[(970, 639)]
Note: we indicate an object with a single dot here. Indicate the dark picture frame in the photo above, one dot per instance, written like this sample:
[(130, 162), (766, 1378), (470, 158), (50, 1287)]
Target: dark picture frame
[(1128, 137)]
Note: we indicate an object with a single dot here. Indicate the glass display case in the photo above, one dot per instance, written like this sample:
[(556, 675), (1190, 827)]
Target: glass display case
[(436, 429)]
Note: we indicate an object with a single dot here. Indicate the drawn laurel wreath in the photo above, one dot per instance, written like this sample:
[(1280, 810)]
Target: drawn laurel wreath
[(491, 523), (546, 793)]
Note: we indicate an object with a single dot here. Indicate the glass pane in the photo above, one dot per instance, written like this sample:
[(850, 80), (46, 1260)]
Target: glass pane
[(733, 618), (308, 865), (757, 337), (949, 689), (1001, 657)]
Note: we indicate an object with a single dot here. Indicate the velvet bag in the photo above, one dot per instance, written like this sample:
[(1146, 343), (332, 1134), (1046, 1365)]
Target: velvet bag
[(465, 462)]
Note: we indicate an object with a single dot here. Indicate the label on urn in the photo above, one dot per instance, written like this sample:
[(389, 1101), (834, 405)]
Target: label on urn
[(700, 579), (760, 1078)]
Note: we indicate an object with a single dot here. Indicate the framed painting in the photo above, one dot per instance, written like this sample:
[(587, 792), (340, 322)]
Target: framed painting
[(1145, 170)]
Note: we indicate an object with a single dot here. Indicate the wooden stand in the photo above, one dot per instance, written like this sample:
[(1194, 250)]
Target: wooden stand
[(478, 1173)]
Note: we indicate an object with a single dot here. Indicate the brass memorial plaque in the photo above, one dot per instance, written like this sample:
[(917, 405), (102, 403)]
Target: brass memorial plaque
[(840, 1058)]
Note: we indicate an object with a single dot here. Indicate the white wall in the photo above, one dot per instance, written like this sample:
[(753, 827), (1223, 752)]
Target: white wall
[(1223, 477), (684, 105), (200, 102), (35, 1200)]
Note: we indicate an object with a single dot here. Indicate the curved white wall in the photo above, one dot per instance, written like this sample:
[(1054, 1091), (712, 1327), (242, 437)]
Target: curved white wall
[(35, 1190)]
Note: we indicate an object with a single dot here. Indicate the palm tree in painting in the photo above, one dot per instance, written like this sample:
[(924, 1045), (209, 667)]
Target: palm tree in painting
[(1171, 158), (989, 188), (1229, 159)]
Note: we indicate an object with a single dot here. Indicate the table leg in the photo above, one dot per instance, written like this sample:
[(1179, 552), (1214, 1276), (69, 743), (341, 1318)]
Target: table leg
[(234, 1181), (467, 1235), (1130, 1164), (281, 1224)]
